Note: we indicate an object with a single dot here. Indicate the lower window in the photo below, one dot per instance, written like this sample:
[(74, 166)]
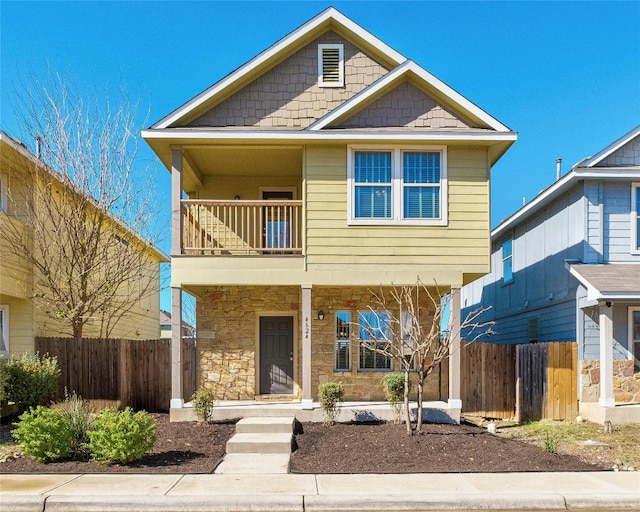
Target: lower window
[(634, 337), (343, 341), (374, 332)]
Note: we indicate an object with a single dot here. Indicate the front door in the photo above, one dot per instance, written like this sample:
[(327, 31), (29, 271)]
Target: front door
[(276, 355)]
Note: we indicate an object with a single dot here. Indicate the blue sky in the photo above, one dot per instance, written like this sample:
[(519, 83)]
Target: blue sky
[(564, 75)]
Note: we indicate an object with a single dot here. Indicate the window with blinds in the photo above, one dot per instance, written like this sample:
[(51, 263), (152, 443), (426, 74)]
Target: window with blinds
[(397, 186), (331, 65), (343, 341)]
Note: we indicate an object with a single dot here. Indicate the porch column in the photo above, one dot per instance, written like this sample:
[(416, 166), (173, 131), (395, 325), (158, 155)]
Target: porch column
[(455, 399), (606, 355), (307, 397), (177, 400), (176, 206)]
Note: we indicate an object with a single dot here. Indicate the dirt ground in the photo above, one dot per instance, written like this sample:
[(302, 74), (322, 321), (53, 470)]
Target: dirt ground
[(342, 448)]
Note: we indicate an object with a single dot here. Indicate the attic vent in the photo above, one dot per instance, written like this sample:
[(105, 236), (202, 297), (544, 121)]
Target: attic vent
[(330, 65)]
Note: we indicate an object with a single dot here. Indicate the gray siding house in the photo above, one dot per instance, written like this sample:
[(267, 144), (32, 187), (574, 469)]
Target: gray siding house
[(566, 267)]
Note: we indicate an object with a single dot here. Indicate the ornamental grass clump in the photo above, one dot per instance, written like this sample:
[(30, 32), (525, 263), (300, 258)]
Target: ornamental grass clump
[(44, 434), (78, 416), (330, 394), (121, 436)]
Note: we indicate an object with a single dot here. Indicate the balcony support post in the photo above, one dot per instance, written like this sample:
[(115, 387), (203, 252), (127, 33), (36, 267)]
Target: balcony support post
[(176, 205), (455, 396), (177, 400), (307, 398)]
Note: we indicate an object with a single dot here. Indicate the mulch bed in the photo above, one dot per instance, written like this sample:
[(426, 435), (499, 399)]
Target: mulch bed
[(190, 447), (387, 448), (186, 447)]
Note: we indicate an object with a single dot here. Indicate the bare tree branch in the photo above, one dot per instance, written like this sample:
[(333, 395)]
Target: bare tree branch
[(89, 223), (407, 330)]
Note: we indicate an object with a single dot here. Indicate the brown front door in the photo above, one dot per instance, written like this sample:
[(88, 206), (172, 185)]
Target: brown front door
[(276, 355)]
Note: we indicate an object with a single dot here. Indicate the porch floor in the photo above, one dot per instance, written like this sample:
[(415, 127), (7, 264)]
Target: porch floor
[(433, 411), (620, 414)]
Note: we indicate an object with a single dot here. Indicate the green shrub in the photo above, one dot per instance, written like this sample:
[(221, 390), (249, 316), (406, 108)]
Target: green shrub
[(203, 404), (43, 434), (121, 436), (393, 387), (32, 380), (330, 394), (78, 417)]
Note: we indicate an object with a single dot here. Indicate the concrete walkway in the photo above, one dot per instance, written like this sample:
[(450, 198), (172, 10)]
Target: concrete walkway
[(597, 491)]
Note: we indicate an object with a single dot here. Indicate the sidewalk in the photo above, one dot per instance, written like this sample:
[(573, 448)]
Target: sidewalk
[(585, 491)]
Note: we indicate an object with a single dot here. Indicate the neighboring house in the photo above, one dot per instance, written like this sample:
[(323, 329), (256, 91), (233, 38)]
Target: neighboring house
[(566, 267), (325, 167), (20, 320), (188, 331)]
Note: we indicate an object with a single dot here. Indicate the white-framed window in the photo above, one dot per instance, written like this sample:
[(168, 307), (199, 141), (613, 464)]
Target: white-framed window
[(343, 341), (403, 185), (408, 331), (507, 260), (374, 330), (634, 337), (635, 218), (331, 65), (4, 188), (4, 332)]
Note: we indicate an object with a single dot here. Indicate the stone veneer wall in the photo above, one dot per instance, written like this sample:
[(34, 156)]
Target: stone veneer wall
[(228, 338), (626, 384)]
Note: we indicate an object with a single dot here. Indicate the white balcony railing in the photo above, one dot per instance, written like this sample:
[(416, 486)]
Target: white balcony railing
[(214, 227)]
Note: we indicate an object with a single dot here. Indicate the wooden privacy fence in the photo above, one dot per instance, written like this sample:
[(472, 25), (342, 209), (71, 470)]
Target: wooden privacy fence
[(526, 382), (120, 372)]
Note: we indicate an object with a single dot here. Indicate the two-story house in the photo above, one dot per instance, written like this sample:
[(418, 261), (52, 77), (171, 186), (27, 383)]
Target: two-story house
[(566, 267), (327, 166), (20, 320)]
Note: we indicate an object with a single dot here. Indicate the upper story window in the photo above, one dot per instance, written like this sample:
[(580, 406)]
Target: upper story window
[(4, 207), (507, 260), (331, 65), (635, 218), (397, 186)]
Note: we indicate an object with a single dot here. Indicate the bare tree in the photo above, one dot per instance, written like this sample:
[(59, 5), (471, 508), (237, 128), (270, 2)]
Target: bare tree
[(404, 325), (83, 215)]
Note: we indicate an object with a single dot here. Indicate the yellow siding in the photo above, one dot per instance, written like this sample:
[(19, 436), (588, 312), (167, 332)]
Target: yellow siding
[(27, 321), (462, 246)]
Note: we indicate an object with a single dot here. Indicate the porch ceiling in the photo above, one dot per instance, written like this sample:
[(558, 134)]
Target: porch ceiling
[(246, 161)]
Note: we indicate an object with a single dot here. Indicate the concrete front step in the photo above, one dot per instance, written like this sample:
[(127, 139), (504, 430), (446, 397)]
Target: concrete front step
[(254, 464), (265, 425), (260, 443)]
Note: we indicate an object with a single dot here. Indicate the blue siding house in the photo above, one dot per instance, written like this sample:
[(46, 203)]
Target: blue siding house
[(566, 267)]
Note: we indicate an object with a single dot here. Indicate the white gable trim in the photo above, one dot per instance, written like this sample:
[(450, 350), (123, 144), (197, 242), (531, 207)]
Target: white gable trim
[(191, 135), (611, 148), (405, 68), (329, 14), (553, 191)]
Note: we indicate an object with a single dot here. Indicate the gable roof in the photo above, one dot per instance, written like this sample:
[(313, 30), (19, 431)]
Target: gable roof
[(19, 148), (611, 148), (424, 79), (328, 19), (584, 169)]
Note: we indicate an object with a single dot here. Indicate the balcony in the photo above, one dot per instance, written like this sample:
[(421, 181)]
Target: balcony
[(241, 228)]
